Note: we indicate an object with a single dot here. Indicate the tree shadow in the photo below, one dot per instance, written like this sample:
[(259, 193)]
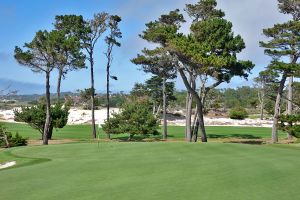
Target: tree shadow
[(238, 136), (250, 142), (138, 138)]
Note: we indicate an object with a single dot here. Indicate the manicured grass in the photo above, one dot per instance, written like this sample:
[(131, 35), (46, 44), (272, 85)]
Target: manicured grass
[(149, 171), (83, 132)]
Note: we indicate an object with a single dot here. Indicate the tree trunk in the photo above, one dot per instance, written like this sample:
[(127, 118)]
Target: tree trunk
[(199, 104), (107, 95), (277, 109), (50, 132), (6, 141), (261, 99), (201, 123), (153, 108), (48, 112), (60, 73), (195, 120), (165, 128), (188, 117), (195, 130), (157, 113), (94, 131), (290, 103), (261, 111), (130, 137)]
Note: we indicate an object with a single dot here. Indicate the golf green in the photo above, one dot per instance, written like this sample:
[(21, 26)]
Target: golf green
[(156, 170)]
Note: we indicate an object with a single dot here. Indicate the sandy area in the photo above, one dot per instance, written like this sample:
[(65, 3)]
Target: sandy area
[(78, 116), (228, 122), (8, 164)]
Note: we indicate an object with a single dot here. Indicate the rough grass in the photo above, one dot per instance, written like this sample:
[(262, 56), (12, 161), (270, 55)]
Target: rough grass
[(147, 171)]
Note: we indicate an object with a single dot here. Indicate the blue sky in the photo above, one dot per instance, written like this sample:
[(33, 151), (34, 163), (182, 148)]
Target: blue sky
[(19, 20)]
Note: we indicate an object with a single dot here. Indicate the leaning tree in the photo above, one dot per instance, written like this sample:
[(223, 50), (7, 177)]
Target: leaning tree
[(283, 45), (208, 53), (290, 7), (69, 53), (41, 57)]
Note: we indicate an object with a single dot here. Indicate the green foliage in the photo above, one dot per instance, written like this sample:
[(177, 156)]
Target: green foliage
[(35, 116), (241, 96), (153, 88), (283, 44), (290, 124), (86, 93), (291, 7), (239, 113), (203, 10), (14, 141), (135, 118)]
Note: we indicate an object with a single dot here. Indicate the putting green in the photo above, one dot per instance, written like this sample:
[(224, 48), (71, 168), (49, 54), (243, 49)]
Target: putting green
[(152, 171)]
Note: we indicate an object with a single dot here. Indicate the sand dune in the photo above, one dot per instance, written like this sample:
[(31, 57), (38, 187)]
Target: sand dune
[(78, 116)]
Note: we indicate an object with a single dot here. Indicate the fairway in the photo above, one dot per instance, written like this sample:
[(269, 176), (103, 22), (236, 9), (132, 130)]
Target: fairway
[(152, 171), (83, 132)]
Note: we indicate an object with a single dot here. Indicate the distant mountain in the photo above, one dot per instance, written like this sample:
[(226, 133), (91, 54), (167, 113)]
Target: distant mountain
[(22, 87)]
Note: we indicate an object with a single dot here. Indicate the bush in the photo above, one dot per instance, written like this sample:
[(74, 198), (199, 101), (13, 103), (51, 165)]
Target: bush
[(35, 117), (290, 124), (7, 137), (135, 118), (239, 113)]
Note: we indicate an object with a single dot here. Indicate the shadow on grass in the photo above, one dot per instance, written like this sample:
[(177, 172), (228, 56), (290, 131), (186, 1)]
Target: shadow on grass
[(27, 160), (251, 142), (138, 138), (238, 136)]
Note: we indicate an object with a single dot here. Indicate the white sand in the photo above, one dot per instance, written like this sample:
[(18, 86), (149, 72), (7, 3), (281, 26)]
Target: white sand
[(8, 164), (78, 116), (228, 122), (85, 116)]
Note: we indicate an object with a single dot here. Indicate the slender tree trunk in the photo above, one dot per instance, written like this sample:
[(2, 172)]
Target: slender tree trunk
[(201, 123), (48, 112), (202, 95), (290, 103), (188, 118), (157, 113), (94, 131), (107, 93), (261, 99), (153, 108), (60, 73), (50, 132), (191, 89), (195, 128), (262, 111), (277, 109), (165, 128), (6, 140)]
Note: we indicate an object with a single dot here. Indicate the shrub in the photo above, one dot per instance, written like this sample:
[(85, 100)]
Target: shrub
[(8, 140), (290, 124), (35, 117), (135, 118), (239, 113)]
